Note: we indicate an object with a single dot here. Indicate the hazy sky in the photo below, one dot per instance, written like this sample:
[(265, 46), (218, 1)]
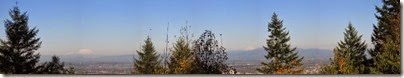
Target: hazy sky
[(116, 27)]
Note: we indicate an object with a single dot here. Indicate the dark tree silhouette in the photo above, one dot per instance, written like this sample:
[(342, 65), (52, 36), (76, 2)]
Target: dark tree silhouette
[(282, 58), (209, 56), (55, 67), (349, 55), (386, 38), (148, 61), (17, 51)]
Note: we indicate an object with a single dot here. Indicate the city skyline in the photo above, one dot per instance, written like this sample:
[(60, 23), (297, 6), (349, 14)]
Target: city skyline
[(106, 27)]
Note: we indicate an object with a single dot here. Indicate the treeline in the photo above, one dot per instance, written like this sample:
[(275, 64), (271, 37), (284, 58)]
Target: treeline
[(349, 55), (205, 55), (201, 56)]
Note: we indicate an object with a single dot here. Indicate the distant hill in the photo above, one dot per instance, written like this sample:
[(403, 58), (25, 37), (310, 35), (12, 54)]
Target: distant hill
[(255, 55)]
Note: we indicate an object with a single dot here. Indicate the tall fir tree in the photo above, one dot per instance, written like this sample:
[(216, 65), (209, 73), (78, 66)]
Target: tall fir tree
[(18, 51), (209, 56), (282, 58), (148, 61), (181, 56), (386, 54), (349, 55)]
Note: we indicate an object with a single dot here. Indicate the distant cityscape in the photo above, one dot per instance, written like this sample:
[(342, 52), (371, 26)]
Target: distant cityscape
[(242, 67), (245, 62)]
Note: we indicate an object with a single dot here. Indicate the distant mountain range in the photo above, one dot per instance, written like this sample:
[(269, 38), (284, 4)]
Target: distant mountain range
[(234, 56), (259, 53)]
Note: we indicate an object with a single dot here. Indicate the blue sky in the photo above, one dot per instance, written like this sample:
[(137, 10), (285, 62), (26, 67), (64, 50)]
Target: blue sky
[(117, 27)]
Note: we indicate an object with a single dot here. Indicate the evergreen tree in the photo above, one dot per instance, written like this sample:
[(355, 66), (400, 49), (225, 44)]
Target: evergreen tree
[(181, 56), (148, 61), (209, 56), (349, 55), (386, 38), (17, 51), (55, 67), (282, 59)]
